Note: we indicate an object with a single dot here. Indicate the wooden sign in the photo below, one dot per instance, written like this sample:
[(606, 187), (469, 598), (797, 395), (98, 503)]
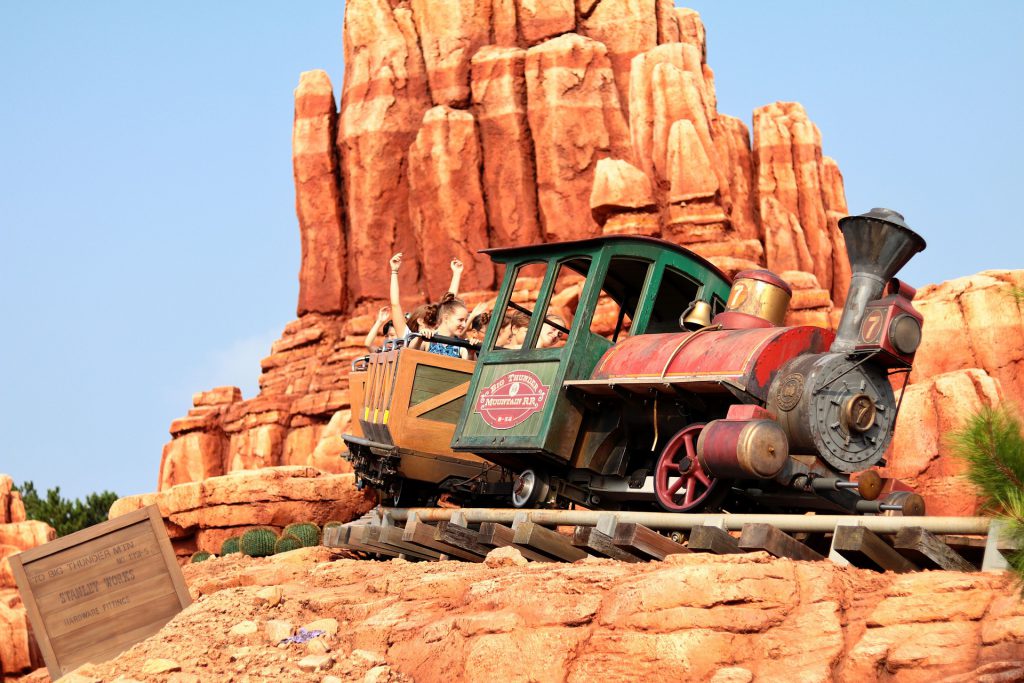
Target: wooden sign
[(95, 593)]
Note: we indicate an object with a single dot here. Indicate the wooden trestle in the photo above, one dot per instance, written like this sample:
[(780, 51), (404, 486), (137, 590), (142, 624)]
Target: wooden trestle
[(899, 544)]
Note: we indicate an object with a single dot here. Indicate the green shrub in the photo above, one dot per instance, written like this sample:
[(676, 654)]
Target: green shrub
[(287, 542), (230, 545), (992, 445), (201, 556), (307, 532), (258, 542), (332, 524)]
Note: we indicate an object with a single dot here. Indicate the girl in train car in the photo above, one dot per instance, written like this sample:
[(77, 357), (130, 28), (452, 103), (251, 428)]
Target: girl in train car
[(447, 319), (550, 336), (415, 321), (388, 329), (513, 330)]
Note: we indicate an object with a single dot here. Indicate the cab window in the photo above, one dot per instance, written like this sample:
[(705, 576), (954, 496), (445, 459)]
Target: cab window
[(515, 319), (675, 293), (619, 298), (563, 304)]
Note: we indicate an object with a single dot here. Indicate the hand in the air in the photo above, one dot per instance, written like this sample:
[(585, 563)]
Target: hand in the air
[(396, 262), (457, 266), (384, 314)]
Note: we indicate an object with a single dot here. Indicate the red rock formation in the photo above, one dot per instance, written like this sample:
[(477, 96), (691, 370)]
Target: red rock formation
[(18, 651), (382, 104), (450, 32), (203, 514), (509, 179), (575, 119), (975, 322), (932, 410), (692, 617), (318, 196), (529, 103), (793, 195), (971, 355), (622, 200), (447, 202), (542, 19)]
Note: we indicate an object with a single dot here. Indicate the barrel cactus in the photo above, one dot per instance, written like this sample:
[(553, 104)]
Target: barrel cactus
[(286, 543), (230, 545), (332, 524), (201, 556), (258, 542), (307, 532)]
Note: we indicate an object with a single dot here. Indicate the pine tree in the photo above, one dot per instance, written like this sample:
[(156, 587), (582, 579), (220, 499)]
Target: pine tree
[(66, 516), (992, 444)]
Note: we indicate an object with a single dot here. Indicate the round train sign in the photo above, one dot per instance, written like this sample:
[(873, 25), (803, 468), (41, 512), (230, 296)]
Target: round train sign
[(511, 399)]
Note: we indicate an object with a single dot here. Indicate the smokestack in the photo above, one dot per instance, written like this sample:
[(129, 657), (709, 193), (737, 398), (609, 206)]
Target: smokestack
[(879, 243)]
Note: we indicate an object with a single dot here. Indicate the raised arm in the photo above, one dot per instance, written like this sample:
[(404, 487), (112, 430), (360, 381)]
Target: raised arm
[(382, 317), (397, 314), (456, 277)]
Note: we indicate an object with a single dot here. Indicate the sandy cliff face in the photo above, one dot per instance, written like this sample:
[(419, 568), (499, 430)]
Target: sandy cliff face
[(466, 124), (692, 617)]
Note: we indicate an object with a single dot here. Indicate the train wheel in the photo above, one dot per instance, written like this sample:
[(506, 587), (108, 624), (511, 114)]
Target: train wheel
[(693, 488)]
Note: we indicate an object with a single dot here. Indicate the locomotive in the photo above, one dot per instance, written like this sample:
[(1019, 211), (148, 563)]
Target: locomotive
[(673, 388)]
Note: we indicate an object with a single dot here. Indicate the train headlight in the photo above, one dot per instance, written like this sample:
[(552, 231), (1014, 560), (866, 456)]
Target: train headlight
[(905, 334)]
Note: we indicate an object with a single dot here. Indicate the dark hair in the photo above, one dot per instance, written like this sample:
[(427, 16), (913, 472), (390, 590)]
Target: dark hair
[(416, 315), (388, 326), (479, 323), (435, 313), (516, 318)]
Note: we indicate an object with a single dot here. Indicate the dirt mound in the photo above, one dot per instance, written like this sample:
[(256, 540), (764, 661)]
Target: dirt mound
[(702, 617)]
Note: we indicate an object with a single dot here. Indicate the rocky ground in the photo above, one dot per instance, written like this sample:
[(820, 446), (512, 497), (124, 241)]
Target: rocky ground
[(696, 617)]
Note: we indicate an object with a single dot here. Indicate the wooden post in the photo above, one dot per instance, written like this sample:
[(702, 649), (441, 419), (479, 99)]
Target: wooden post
[(778, 543)]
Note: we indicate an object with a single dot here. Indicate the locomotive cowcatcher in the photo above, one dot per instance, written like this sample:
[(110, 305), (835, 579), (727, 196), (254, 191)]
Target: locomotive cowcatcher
[(673, 387)]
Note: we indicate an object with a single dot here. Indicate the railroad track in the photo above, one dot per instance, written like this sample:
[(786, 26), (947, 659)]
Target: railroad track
[(883, 543)]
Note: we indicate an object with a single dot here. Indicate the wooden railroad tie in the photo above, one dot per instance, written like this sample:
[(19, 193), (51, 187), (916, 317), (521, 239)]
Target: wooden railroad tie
[(602, 544), (866, 549), (712, 539), (926, 550), (500, 536), (778, 543), (546, 541), (639, 539), (422, 533)]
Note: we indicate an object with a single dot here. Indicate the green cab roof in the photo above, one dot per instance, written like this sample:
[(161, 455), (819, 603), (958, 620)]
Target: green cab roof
[(647, 246)]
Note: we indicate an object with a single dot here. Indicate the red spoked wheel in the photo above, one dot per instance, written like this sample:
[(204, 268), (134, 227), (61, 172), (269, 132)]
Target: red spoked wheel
[(679, 482)]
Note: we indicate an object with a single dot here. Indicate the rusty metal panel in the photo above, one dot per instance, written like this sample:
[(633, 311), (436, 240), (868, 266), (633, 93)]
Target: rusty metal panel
[(747, 359)]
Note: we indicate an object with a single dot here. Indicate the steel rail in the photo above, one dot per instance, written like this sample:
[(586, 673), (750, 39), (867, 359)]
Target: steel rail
[(671, 521)]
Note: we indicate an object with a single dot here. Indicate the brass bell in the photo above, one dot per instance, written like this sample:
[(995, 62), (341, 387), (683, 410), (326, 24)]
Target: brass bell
[(696, 316)]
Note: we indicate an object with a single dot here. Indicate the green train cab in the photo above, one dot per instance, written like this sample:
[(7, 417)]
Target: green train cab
[(561, 306)]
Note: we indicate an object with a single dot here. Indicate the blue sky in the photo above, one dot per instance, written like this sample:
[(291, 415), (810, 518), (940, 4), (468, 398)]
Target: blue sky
[(148, 237)]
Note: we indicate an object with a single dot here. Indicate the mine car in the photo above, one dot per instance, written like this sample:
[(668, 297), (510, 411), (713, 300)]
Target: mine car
[(671, 387)]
